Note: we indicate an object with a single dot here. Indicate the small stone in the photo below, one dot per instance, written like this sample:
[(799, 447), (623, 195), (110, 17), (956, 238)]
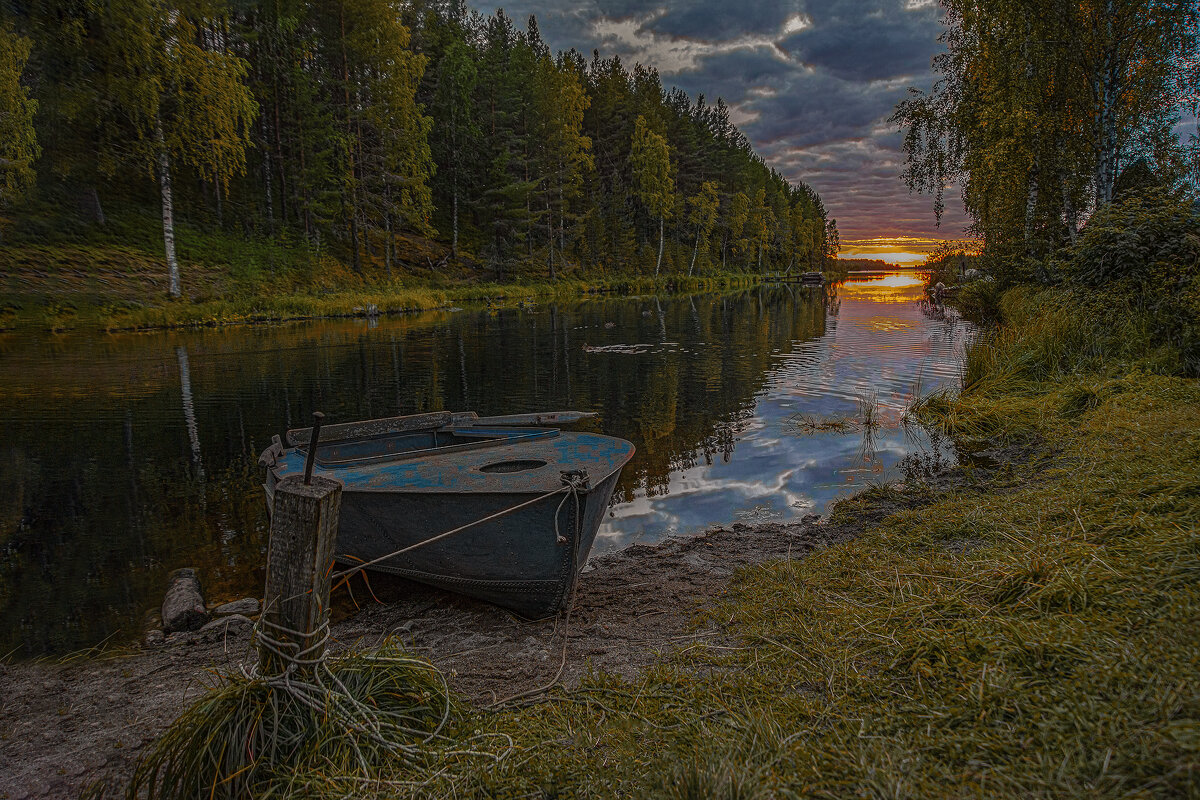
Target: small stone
[(183, 606), (154, 638), (247, 607), (231, 624)]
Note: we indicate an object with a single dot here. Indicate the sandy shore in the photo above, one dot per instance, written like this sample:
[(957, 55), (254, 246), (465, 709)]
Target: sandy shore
[(67, 726)]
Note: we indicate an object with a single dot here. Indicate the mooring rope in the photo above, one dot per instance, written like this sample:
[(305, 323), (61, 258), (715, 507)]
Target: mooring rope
[(307, 677), (573, 484), (309, 680)]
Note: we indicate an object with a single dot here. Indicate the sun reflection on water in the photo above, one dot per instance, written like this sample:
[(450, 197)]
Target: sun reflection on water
[(893, 287)]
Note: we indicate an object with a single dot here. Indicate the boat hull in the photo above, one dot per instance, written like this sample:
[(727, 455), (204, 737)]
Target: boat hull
[(520, 535), (514, 561)]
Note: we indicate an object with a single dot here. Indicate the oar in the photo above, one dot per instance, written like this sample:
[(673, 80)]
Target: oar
[(543, 418)]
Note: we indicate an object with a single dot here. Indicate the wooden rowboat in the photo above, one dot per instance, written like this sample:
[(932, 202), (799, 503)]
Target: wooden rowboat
[(528, 499)]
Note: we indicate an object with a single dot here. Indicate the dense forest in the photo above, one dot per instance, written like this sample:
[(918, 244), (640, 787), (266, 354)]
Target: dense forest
[(348, 128)]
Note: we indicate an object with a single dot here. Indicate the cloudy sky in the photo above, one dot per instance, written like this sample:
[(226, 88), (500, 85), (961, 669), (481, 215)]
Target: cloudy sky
[(810, 82)]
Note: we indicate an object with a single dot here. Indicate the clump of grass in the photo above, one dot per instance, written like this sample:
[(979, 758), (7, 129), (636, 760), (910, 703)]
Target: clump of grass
[(868, 418), (811, 423), (249, 736)]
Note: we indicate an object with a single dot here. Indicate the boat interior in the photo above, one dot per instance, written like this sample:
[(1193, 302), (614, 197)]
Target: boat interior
[(417, 444)]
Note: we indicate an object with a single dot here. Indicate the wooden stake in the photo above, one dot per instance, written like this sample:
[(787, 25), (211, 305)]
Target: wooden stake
[(304, 523)]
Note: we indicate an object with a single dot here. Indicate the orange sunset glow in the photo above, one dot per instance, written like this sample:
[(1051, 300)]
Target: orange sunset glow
[(900, 250)]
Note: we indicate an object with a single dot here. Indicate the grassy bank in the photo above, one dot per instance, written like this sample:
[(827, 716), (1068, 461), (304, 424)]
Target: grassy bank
[(1025, 627), (118, 282), (75, 293)]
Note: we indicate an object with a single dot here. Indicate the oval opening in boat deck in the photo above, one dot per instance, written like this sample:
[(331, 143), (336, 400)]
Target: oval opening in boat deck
[(513, 466)]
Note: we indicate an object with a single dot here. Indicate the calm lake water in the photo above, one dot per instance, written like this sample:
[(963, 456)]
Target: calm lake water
[(124, 457)]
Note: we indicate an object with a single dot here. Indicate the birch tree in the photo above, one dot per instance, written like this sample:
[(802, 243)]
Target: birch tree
[(1040, 104), (651, 161), (703, 217), (170, 92)]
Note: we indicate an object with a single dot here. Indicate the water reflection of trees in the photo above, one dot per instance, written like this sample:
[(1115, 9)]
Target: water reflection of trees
[(104, 487)]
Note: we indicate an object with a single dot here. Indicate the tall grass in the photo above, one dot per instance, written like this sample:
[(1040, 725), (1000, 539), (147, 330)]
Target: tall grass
[(249, 736)]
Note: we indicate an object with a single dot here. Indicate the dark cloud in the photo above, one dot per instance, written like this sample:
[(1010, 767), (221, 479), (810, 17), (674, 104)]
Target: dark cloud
[(810, 82), (867, 50), (716, 22)]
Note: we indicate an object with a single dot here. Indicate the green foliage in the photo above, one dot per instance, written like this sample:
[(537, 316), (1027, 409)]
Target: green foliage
[(349, 126), (205, 108), (1144, 253), (18, 140), (1039, 106), (650, 158), (704, 205), (391, 159), (1147, 245)]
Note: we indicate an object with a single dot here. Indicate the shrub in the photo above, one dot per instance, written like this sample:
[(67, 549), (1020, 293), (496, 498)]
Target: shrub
[(1145, 253)]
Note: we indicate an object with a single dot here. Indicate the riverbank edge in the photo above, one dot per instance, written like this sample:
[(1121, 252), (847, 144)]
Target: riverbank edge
[(117, 301), (40, 313)]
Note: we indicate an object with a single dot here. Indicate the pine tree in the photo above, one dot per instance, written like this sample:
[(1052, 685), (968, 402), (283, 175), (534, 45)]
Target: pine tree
[(454, 104), (737, 219)]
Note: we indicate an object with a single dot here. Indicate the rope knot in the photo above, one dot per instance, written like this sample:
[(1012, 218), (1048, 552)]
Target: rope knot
[(574, 481)]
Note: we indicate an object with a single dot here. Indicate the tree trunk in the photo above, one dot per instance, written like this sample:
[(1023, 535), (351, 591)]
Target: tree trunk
[(661, 226), (168, 213), (1070, 213), (1106, 127), (1031, 198), (270, 205), (550, 238), (96, 209), (388, 243), (283, 192), (454, 236), (562, 215), (695, 251), (220, 205), (354, 240)]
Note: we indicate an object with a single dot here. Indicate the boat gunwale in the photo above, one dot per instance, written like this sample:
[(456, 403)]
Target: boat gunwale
[(357, 489), (492, 440)]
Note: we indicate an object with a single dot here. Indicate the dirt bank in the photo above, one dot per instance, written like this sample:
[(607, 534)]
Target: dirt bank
[(65, 726)]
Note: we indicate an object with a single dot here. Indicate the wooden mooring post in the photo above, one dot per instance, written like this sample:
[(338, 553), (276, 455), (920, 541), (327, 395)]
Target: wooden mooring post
[(304, 524)]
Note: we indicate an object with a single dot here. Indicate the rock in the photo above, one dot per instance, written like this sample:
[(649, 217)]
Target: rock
[(247, 607), (225, 626), (183, 606), (154, 638), (972, 274)]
